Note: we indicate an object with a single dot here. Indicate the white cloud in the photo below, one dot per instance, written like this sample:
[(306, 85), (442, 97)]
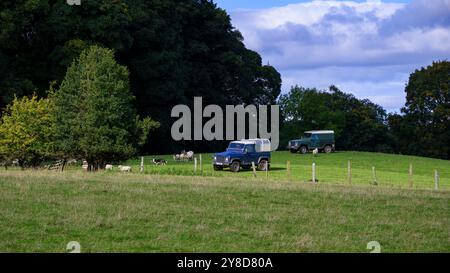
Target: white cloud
[(384, 42)]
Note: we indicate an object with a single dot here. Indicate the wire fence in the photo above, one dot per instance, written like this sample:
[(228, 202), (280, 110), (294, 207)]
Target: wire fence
[(344, 172), (341, 172), (340, 175)]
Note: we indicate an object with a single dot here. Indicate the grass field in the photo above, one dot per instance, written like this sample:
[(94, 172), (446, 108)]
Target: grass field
[(144, 213), (41, 211), (391, 170)]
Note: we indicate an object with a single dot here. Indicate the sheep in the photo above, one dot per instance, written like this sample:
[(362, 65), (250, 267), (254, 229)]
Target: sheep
[(315, 152), (109, 167), (124, 168), (189, 155), (183, 156), (85, 165), (71, 161)]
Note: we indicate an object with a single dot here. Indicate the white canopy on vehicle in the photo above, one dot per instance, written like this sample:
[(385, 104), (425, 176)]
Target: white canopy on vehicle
[(320, 132), (261, 144)]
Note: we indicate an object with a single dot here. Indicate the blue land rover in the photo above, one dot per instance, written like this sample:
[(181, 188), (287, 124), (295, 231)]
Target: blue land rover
[(241, 154)]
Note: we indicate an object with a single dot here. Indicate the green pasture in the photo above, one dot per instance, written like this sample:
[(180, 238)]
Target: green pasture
[(390, 169)]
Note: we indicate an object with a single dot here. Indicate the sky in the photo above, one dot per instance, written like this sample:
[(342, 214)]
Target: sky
[(367, 48)]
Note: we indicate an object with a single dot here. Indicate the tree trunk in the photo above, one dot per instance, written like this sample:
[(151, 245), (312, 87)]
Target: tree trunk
[(63, 164), (22, 165)]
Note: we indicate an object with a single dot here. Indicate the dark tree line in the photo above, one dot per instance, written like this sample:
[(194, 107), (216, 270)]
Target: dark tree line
[(358, 124), (174, 50), (177, 49), (422, 127)]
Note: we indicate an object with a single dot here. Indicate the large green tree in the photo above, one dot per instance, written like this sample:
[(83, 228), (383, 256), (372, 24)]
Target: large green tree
[(424, 127), (174, 50), (94, 114), (27, 131)]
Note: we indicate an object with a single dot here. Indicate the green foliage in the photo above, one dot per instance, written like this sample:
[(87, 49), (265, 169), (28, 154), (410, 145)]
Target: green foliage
[(358, 124), (143, 128), (27, 131), (94, 114), (424, 128), (174, 50)]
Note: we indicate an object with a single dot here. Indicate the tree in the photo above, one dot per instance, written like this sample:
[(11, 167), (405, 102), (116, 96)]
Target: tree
[(307, 109), (94, 114), (174, 50), (423, 128), (358, 124), (26, 131)]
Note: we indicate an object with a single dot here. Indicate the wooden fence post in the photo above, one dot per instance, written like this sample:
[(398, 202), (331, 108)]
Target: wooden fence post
[(142, 164), (349, 172), (254, 169), (374, 176), (195, 165), (410, 175), (436, 180), (314, 172), (288, 169)]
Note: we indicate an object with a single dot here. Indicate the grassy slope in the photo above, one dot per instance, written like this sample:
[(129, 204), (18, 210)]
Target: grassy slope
[(392, 170), (43, 211)]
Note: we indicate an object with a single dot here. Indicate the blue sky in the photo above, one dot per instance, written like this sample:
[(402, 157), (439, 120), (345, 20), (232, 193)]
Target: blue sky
[(257, 4), (367, 48)]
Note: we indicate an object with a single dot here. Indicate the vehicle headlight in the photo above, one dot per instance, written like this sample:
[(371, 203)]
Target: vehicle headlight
[(227, 159), (215, 158)]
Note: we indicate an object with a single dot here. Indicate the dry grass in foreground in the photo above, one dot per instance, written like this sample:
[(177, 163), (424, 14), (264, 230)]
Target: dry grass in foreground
[(43, 211)]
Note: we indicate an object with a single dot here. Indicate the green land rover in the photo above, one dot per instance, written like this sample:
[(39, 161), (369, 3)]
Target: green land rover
[(322, 140)]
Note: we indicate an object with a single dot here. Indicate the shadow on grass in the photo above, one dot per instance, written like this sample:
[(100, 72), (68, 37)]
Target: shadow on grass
[(276, 169)]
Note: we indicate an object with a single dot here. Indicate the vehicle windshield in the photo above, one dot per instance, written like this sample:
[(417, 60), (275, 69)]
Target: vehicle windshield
[(250, 148), (236, 146), (306, 135)]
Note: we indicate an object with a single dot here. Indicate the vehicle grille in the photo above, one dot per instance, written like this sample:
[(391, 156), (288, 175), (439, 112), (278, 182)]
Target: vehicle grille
[(220, 159)]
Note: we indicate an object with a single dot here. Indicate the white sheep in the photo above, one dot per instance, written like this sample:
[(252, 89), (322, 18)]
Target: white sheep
[(85, 165), (124, 168), (189, 155), (108, 167), (315, 152)]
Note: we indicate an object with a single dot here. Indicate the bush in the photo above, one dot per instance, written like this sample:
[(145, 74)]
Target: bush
[(94, 114), (27, 131)]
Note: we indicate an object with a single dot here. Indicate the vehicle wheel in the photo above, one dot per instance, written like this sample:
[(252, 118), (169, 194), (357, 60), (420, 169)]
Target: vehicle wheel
[(303, 149), (293, 151), (327, 149), (262, 165), (218, 168), (235, 166)]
